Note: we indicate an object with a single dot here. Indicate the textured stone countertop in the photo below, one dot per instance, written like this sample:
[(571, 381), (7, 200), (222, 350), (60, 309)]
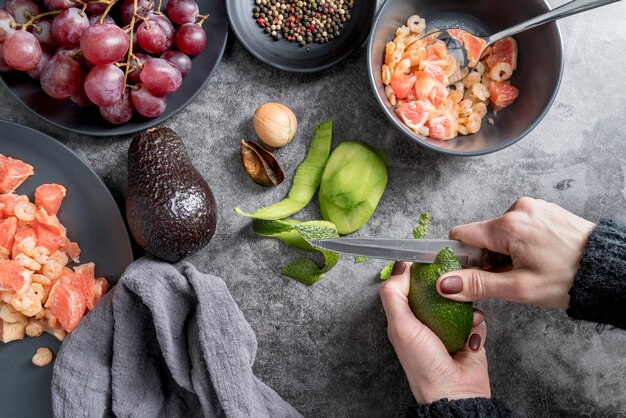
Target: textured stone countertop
[(324, 348)]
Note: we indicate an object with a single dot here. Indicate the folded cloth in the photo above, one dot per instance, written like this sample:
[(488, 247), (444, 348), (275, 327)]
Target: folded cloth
[(167, 341)]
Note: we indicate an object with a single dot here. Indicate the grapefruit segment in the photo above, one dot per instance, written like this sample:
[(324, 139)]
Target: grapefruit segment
[(502, 94), (402, 85), (414, 114), (49, 197), (13, 173), (13, 277), (67, 304)]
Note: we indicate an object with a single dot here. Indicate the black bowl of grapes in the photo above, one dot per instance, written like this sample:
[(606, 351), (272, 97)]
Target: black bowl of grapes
[(109, 67)]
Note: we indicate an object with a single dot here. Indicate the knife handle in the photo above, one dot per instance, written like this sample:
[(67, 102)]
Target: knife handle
[(492, 261)]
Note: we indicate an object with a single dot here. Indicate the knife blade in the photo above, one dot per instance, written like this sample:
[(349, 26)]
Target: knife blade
[(412, 250)]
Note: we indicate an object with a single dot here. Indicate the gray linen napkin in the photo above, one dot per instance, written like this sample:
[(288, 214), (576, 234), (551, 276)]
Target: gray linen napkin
[(167, 341)]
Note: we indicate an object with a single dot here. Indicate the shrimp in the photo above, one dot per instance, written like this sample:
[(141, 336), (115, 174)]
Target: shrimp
[(402, 68), (386, 75), (9, 314), (472, 78), (34, 329), (41, 254), (25, 211), (473, 123), (480, 91), (455, 96), (25, 246), (52, 269), (465, 107), (403, 31), (416, 24), (29, 303), (25, 261), (390, 47), (480, 68), (502, 71), (480, 109)]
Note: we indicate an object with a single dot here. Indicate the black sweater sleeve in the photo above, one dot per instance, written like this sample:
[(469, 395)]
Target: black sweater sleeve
[(461, 408), (599, 291)]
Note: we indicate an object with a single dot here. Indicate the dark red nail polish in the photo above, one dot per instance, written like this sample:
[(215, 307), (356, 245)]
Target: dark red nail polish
[(451, 285), (398, 268), (474, 342)]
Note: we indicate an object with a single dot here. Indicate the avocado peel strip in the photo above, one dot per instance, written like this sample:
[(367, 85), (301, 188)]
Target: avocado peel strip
[(299, 234), (306, 180)]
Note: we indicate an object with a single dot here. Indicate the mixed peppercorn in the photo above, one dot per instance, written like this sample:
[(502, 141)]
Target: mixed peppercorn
[(303, 21)]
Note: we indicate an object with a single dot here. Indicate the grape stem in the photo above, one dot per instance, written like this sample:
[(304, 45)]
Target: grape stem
[(130, 56), (34, 19), (202, 19), (106, 11)]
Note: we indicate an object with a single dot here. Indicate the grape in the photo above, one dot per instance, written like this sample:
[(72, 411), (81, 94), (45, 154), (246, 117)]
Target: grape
[(191, 39), (147, 103), (4, 67), (182, 11), (74, 53), (120, 111), (42, 32), (160, 77), (59, 4), (103, 43), (133, 75), (144, 8), (96, 9), (22, 10), (68, 26), (61, 77), (5, 28), (165, 23), (21, 50), (104, 84), (178, 60), (80, 97), (36, 72), (93, 19), (152, 37)]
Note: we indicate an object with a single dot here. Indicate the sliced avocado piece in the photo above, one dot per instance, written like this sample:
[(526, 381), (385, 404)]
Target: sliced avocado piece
[(353, 182), (451, 321)]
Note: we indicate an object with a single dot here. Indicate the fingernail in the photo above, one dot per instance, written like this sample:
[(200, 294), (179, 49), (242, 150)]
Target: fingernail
[(451, 285), (398, 268), (474, 342)]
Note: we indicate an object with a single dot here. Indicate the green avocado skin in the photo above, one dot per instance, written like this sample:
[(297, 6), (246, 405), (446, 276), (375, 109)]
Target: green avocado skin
[(451, 321)]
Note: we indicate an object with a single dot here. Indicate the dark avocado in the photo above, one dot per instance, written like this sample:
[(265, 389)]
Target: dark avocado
[(170, 208)]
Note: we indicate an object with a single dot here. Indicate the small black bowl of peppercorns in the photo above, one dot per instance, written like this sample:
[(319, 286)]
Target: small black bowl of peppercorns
[(302, 36)]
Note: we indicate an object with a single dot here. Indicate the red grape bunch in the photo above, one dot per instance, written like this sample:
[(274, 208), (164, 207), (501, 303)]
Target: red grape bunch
[(122, 56)]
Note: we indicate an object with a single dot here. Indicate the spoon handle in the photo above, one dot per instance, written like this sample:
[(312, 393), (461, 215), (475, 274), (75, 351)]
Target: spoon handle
[(568, 9)]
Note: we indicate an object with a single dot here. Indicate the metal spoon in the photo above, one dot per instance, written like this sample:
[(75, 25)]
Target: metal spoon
[(467, 61)]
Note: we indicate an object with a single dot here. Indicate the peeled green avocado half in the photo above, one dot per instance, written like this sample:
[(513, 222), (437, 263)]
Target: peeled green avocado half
[(451, 321), (353, 182)]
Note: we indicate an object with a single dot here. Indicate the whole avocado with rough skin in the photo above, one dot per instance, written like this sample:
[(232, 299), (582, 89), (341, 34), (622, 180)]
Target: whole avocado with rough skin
[(451, 321), (170, 207)]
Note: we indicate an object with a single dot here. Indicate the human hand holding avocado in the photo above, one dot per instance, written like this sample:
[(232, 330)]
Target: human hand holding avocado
[(545, 242), (433, 373)]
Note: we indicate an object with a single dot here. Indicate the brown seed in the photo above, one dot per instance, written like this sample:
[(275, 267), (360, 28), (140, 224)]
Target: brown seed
[(261, 165)]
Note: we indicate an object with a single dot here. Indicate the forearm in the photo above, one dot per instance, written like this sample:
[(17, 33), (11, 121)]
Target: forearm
[(599, 291), (467, 408)]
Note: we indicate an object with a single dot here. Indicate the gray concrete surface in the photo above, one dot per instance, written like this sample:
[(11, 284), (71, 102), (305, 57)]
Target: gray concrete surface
[(324, 348)]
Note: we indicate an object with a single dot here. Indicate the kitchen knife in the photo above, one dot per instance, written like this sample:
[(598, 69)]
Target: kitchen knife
[(413, 250)]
